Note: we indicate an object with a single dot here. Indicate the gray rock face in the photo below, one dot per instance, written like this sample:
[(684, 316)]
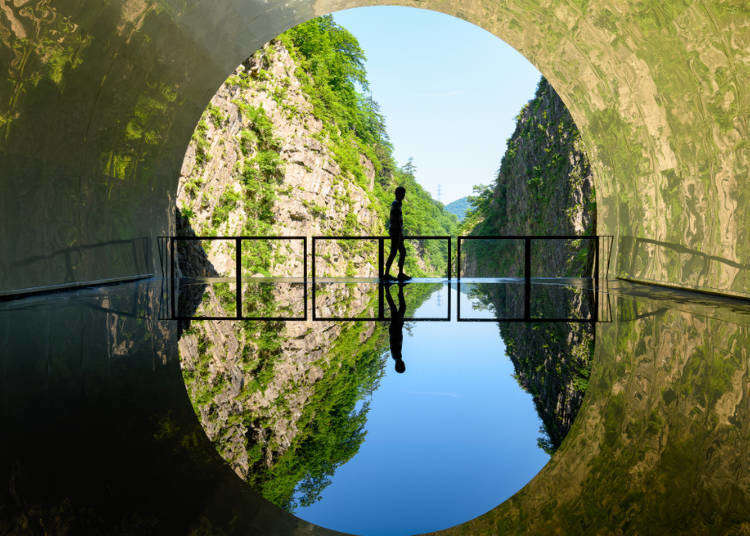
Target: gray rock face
[(313, 197), (544, 187), (251, 381)]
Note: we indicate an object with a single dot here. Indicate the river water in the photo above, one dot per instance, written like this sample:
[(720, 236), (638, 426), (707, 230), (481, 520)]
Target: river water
[(104, 431), (447, 439)]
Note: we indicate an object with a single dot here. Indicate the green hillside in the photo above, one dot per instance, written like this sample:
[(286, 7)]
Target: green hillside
[(332, 69), (459, 207)]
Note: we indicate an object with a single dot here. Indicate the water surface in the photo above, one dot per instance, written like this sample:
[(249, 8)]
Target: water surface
[(447, 440)]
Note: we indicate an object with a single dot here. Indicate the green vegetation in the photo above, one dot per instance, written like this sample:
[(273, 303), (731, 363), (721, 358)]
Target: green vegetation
[(543, 186), (216, 114), (331, 427), (332, 72), (202, 147), (227, 202)]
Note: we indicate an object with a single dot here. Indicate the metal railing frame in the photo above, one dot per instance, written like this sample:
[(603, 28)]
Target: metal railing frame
[(381, 287), (527, 240), (527, 277), (238, 276)]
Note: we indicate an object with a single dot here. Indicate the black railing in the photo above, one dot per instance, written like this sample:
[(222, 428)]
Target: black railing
[(380, 273), (527, 278), (593, 275), (238, 277)]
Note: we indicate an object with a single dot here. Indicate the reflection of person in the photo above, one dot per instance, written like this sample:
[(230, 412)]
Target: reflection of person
[(396, 232), (396, 329)]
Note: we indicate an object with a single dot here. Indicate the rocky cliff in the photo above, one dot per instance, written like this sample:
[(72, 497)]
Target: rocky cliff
[(544, 187), (258, 165), (279, 400)]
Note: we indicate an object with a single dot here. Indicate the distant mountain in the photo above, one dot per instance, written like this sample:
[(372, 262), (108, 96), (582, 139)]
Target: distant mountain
[(459, 207)]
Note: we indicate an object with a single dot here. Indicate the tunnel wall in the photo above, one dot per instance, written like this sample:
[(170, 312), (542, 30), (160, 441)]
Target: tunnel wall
[(100, 99)]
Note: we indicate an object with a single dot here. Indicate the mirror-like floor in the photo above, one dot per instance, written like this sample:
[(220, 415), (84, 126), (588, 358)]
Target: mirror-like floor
[(443, 434), (118, 421)]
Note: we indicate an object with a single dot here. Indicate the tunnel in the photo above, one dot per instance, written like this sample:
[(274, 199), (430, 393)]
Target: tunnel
[(99, 103)]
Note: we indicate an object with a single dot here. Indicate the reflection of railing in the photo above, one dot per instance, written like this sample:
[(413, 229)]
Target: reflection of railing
[(238, 276), (527, 277), (381, 263), (586, 294)]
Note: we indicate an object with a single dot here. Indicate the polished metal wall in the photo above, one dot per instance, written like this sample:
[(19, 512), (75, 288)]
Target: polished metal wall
[(99, 99)]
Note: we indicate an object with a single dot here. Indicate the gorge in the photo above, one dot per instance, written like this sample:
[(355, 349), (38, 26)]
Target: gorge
[(124, 413), (281, 150), (284, 150)]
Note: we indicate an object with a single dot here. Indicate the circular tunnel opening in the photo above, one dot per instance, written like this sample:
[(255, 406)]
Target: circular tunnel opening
[(377, 396), (98, 106)]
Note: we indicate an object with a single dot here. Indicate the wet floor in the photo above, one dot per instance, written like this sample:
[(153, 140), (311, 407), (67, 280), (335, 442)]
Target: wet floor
[(456, 395), (116, 420)]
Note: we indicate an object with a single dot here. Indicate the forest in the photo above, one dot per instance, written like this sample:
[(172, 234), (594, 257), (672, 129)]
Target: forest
[(332, 69), (287, 432)]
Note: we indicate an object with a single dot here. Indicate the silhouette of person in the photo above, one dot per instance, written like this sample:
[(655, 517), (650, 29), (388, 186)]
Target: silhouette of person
[(396, 328), (396, 232)]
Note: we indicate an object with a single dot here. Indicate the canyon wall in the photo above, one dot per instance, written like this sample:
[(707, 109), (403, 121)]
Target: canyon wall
[(544, 187), (279, 399)]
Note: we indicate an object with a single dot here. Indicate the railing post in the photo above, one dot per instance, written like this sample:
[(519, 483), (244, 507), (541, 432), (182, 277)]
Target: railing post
[(304, 275), (238, 275), (448, 286), (458, 278), (381, 290), (527, 278), (381, 256), (449, 260)]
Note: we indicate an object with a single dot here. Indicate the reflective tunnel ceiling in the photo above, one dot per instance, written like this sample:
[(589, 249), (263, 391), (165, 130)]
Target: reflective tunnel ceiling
[(100, 98)]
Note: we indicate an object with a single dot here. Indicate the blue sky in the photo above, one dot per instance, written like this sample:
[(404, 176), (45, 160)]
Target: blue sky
[(449, 90)]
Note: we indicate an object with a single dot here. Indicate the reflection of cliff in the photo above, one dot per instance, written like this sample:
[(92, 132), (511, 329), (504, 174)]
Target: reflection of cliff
[(660, 444), (281, 401), (552, 361), (261, 389)]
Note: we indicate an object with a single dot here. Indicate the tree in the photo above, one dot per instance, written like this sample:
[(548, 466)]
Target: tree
[(409, 168)]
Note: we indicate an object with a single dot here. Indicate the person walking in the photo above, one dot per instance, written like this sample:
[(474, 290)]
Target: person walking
[(396, 232)]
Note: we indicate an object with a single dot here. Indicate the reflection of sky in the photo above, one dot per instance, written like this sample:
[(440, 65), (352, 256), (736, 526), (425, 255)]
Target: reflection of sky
[(446, 441)]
